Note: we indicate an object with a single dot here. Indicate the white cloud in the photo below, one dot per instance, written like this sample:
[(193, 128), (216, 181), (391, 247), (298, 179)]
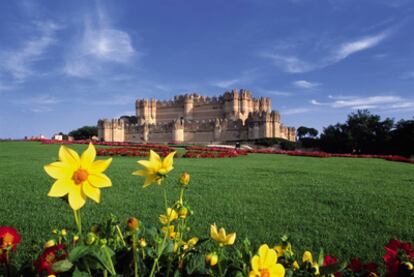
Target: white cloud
[(225, 84), (275, 92), (39, 103), (19, 62), (305, 84), (348, 48), (293, 111), (99, 45), (289, 61), (371, 102)]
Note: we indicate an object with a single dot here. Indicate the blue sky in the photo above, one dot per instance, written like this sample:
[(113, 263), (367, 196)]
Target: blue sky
[(65, 64)]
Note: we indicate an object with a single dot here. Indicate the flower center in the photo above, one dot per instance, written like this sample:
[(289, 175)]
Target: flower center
[(80, 176), (8, 239), (264, 272)]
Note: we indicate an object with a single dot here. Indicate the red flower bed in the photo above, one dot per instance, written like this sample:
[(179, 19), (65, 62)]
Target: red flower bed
[(132, 151), (212, 152)]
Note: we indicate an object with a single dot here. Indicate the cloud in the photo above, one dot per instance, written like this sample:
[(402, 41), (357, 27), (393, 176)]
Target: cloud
[(274, 92), (288, 60), (371, 102), (99, 45), (348, 48), (289, 63), (305, 84), (225, 84), (19, 62), (293, 111), (39, 103)]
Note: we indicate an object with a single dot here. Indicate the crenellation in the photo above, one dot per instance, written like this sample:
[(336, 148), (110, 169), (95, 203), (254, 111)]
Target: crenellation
[(192, 117)]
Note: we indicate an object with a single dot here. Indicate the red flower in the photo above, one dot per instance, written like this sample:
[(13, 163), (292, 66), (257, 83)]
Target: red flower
[(355, 265), (9, 239), (51, 255)]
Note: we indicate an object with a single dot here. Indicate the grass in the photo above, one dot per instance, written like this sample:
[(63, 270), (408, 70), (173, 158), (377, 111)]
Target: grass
[(350, 207)]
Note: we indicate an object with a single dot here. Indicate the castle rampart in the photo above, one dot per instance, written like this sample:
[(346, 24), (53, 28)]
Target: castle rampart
[(235, 115)]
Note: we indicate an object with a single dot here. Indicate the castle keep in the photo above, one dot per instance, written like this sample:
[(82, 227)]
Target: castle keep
[(198, 119)]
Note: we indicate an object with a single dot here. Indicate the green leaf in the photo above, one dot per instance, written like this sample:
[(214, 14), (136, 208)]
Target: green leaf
[(78, 273), (196, 264), (332, 268), (100, 254), (62, 266), (78, 252), (321, 257)]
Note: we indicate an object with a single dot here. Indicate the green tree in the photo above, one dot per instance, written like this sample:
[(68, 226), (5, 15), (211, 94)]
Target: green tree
[(85, 132)]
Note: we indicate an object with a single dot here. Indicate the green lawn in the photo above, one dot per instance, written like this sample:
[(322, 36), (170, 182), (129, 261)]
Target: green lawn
[(350, 207)]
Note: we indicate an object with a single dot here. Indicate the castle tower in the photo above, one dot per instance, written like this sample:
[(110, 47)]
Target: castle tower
[(188, 106), (231, 104), (146, 111)]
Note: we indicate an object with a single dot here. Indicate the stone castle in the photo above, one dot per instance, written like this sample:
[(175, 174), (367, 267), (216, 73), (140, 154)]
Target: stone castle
[(192, 118)]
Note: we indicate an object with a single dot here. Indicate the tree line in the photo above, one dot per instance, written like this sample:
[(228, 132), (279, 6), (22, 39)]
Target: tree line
[(362, 133)]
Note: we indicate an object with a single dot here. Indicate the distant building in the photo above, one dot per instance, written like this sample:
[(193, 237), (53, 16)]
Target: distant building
[(57, 137), (198, 119)]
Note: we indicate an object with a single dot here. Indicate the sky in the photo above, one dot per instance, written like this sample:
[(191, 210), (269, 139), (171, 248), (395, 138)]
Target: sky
[(66, 64)]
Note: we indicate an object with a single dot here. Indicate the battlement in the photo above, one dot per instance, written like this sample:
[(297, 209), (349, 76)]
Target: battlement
[(233, 115)]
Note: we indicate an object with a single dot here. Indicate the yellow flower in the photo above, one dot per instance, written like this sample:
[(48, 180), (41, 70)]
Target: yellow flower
[(221, 237), (49, 243), (190, 243), (307, 257), (172, 234), (79, 177), (184, 179), (170, 216), (212, 259), (154, 169), (265, 264)]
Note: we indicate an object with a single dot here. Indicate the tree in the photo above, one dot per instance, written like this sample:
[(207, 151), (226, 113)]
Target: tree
[(363, 132), (403, 138), (303, 131), (85, 132)]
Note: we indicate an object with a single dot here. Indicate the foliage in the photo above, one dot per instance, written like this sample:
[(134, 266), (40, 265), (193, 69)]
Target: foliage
[(85, 132), (283, 194), (307, 132)]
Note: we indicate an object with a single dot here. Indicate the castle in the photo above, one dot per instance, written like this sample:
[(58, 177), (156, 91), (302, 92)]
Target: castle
[(193, 118)]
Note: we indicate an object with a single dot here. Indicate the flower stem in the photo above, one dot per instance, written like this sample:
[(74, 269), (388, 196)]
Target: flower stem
[(120, 235), (108, 256), (161, 249), (134, 249), (78, 222)]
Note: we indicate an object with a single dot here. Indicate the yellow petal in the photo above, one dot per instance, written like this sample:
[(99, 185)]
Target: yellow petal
[(140, 173), (58, 170), (77, 199), (231, 238), (279, 271), (154, 157), (149, 165), (148, 180), (255, 264), (69, 156), (88, 156), (263, 250), (168, 161), (222, 235), (100, 166), (271, 257), (307, 257), (213, 232), (253, 274), (99, 180), (91, 192), (59, 188)]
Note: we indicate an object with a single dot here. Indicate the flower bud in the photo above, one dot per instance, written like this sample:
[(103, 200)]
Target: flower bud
[(103, 241), (90, 238), (132, 224), (49, 243), (212, 259), (142, 243), (75, 238), (184, 179), (183, 212), (64, 232), (409, 265), (54, 231)]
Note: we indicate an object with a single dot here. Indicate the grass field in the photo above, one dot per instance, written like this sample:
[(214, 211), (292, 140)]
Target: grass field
[(350, 207)]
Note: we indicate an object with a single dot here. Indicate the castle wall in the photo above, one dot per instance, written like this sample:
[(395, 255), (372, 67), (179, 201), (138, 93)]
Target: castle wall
[(198, 119)]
